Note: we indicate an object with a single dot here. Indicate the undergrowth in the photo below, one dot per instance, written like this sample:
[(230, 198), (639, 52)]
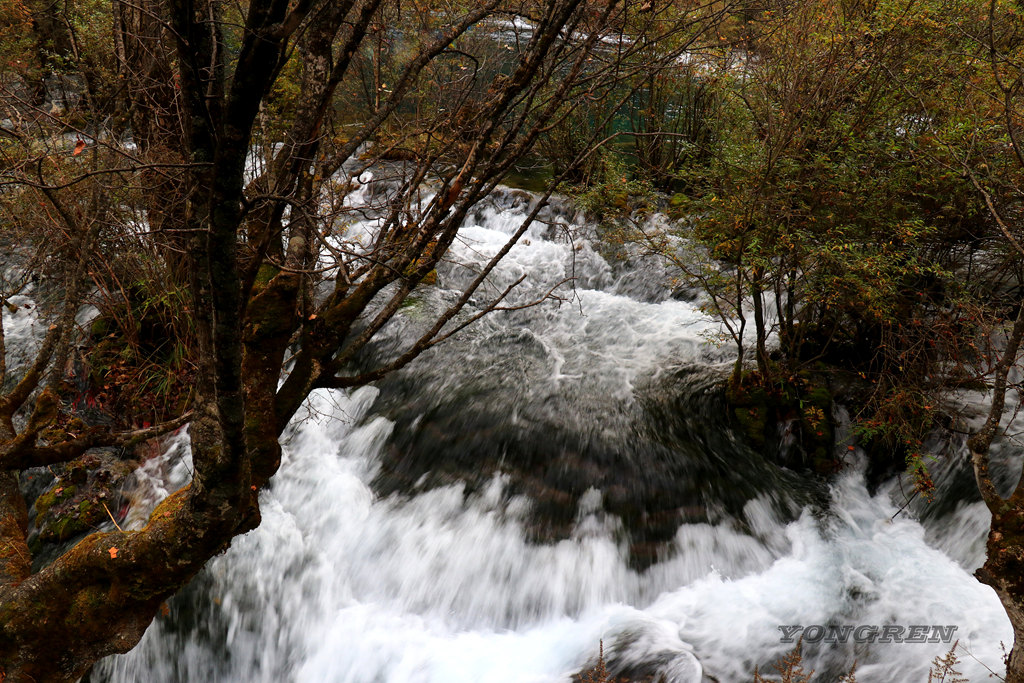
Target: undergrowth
[(790, 669)]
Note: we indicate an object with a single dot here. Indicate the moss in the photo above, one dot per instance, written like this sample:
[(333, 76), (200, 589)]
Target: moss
[(60, 529), (803, 402), (54, 496), (54, 435), (411, 304), (820, 396), (266, 273), (79, 501), (88, 605), (678, 205), (253, 422), (69, 521), (271, 313), (170, 505), (753, 421), (752, 407), (100, 327)]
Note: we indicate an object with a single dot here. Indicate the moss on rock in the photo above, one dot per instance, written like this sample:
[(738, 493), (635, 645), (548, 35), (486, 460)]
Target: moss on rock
[(789, 420)]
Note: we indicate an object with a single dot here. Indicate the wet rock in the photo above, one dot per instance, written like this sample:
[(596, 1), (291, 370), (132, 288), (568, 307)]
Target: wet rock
[(658, 462), (79, 498)]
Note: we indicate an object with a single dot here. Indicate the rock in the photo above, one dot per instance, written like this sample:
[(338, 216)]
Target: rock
[(83, 495)]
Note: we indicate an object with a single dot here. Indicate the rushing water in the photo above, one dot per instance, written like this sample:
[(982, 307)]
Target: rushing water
[(553, 478)]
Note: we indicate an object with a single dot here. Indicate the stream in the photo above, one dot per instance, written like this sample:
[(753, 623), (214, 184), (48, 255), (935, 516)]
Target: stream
[(555, 478)]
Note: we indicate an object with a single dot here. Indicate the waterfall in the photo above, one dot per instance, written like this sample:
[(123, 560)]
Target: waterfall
[(553, 478)]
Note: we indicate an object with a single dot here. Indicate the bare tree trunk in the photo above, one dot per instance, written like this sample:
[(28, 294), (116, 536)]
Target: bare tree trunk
[(757, 295), (1004, 564)]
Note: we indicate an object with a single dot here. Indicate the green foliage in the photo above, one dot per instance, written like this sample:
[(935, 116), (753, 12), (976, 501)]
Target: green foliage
[(676, 121), (833, 207), (613, 191), (15, 37), (571, 137)]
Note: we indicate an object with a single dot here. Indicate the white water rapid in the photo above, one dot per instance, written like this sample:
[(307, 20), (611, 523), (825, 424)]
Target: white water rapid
[(369, 569)]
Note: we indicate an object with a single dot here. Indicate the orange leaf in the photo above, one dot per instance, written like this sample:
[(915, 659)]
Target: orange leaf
[(113, 552), (78, 148)]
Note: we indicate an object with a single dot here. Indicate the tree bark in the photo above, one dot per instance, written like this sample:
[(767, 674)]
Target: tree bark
[(1004, 572), (250, 304), (757, 296), (1004, 564)]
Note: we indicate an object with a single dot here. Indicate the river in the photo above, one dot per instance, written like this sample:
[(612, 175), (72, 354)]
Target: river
[(551, 479)]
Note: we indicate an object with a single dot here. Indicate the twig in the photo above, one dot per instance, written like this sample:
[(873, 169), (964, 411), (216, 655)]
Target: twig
[(111, 517)]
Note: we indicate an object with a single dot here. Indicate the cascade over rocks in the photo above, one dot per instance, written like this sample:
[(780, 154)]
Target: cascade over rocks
[(652, 459)]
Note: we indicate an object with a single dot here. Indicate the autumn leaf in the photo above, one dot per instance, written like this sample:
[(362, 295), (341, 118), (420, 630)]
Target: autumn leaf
[(79, 146), (113, 552)]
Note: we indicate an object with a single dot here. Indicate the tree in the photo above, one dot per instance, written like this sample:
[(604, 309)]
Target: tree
[(823, 231), (997, 172), (211, 151), (864, 206)]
